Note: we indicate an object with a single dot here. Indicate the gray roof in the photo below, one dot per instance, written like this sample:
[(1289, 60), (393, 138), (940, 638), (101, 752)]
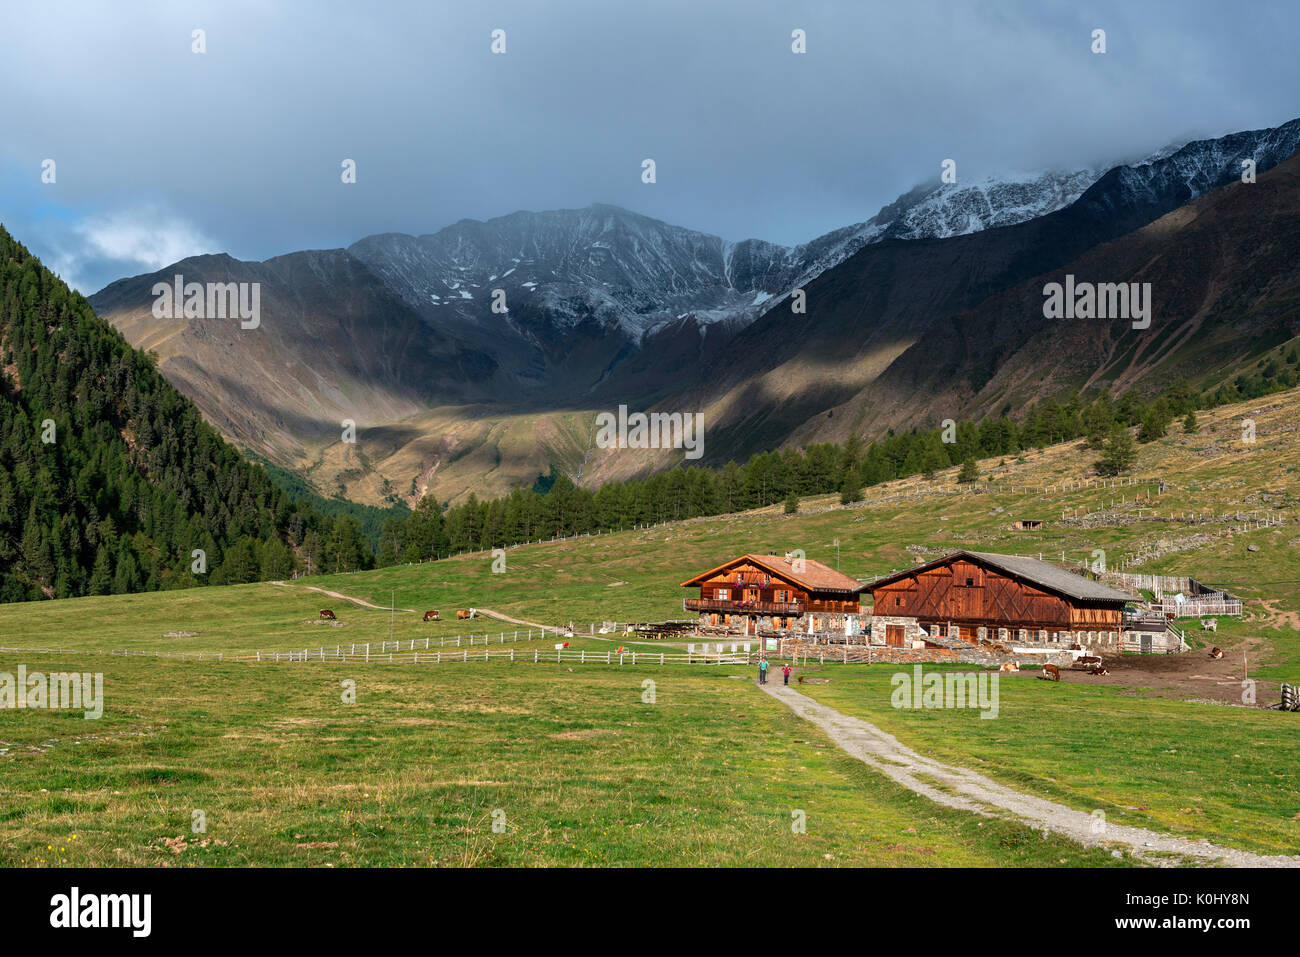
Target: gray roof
[(1053, 577), (1044, 574)]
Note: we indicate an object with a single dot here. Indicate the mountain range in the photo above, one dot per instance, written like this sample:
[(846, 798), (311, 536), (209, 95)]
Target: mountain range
[(925, 311)]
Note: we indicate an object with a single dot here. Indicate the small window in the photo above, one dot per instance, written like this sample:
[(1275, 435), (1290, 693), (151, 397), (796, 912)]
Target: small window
[(970, 583), (897, 601)]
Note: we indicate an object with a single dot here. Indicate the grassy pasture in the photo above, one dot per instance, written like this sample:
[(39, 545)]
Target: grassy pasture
[(410, 775), (710, 773)]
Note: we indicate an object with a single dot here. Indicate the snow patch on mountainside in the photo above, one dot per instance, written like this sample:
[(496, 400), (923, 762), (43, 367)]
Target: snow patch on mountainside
[(616, 268)]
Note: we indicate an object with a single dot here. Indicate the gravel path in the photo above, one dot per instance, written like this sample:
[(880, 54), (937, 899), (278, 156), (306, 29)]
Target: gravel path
[(960, 788), (340, 596)]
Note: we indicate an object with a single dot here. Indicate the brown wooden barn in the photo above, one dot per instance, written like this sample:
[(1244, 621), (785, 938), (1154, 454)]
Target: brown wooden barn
[(980, 596), (755, 594)]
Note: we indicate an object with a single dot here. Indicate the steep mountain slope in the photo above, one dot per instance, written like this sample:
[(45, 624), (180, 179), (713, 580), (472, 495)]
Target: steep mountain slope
[(808, 377), (332, 343), (638, 274), (604, 307), (109, 477), (399, 334), (1224, 272)]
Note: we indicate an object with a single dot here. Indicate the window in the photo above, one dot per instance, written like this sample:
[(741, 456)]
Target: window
[(970, 583), (724, 594), (897, 601)]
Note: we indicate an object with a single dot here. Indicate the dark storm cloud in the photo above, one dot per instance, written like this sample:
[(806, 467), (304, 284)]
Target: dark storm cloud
[(161, 150)]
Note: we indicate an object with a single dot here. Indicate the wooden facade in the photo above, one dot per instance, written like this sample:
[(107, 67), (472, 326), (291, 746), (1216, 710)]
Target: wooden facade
[(769, 592), (974, 596)]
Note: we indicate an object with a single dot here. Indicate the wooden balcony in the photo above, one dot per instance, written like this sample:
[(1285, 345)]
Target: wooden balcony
[(835, 607), (743, 607)]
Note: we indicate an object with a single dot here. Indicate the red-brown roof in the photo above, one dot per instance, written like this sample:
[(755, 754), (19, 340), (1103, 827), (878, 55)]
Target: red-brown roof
[(813, 575)]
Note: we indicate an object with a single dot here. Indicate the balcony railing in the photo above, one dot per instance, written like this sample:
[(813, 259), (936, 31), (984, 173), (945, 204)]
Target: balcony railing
[(743, 607)]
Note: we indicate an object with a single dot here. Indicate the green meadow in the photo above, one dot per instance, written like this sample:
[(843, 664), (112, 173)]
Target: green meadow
[(582, 771), (573, 765)]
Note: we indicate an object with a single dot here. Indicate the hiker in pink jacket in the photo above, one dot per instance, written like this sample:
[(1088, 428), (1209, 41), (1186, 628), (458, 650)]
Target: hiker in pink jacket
[(785, 672)]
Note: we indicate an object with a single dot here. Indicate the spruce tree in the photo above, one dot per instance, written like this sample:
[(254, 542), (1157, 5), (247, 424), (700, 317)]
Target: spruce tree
[(1118, 453)]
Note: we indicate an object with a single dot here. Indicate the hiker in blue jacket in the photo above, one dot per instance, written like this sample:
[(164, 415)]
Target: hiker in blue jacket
[(762, 671)]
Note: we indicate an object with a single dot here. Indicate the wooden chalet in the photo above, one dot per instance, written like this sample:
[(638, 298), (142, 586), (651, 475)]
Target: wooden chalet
[(756, 594), (980, 596)]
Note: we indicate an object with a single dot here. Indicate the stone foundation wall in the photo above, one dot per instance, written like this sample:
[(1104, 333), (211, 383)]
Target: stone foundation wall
[(1162, 642), (912, 630)]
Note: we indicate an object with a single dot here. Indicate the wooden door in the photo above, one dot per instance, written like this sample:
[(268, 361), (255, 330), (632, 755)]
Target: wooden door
[(894, 636)]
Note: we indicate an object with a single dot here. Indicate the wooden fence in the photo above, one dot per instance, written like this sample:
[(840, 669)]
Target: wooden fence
[(533, 656), (1196, 607)]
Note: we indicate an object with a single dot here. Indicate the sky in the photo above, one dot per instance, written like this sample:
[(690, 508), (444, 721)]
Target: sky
[(161, 152)]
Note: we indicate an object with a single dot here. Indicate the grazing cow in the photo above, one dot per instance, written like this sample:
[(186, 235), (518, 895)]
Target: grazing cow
[(431, 616), (1216, 652), (1050, 673), (327, 614), (465, 613)]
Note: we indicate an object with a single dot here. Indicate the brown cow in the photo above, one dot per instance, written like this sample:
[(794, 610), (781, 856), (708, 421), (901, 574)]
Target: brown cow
[(327, 614), (1050, 673), (465, 613), (1216, 652), (431, 615), (1098, 670)]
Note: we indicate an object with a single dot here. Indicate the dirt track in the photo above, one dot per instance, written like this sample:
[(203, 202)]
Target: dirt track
[(968, 791), (340, 596), (1193, 674)]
